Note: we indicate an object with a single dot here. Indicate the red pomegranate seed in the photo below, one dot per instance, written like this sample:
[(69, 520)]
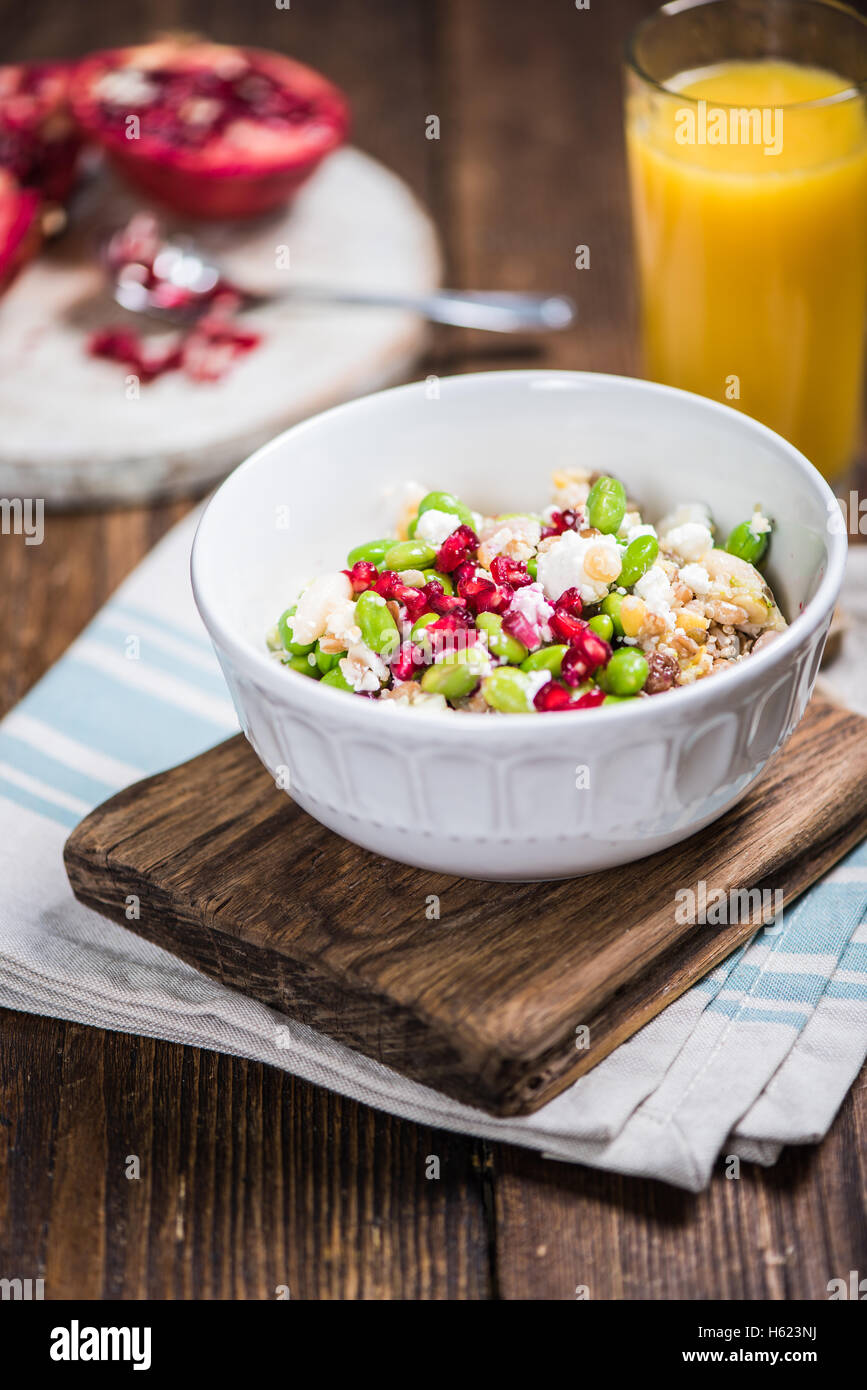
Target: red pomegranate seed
[(387, 583), (413, 600), (562, 521), (403, 665), (513, 572), (465, 570), (594, 648), (448, 603), (552, 696), (517, 626), (564, 627), (575, 668), (483, 596), (590, 700), (362, 576), (571, 602), (455, 549)]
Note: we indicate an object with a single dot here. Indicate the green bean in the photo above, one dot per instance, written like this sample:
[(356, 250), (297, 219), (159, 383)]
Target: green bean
[(546, 659), (373, 552), (379, 631), (603, 626), (446, 502), (499, 642), (611, 608), (456, 675), (444, 579), (284, 626), (638, 556), (625, 673), (303, 666), (408, 555), (747, 544), (606, 505), (508, 690), (337, 679)]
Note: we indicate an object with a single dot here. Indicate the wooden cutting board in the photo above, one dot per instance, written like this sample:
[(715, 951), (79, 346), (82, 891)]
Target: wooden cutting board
[(483, 1002)]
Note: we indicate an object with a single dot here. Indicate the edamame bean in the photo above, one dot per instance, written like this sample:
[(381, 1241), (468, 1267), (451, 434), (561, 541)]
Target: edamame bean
[(532, 566), (747, 544), (409, 555), (284, 627), (625, 673), (373, 552), (301, 664), (611, 608), (446, 502), (508, 690), (455, 676), (326, 661), (444, 579), (379, 631), (638, 556), (418, 627), (546, 659), (603, 626), (337, 679), (606, 505), (618, 699), (499, 642)]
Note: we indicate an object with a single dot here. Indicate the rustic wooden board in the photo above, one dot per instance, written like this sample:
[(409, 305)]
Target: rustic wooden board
[(482, 1003)]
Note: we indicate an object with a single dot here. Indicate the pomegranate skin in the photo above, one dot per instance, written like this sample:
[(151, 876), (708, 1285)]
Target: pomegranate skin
[(39, 141), (20, 232), (258, 167)]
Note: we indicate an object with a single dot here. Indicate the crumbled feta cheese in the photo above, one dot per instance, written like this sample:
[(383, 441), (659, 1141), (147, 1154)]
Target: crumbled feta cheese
[(562, 566), (657, 593), (687, 511), (315, 605), (641, 529), (691, 540), (531, 603), (340, 622), (759, 525), (434, 527), (535, 681), (362, 668), (697, 577)]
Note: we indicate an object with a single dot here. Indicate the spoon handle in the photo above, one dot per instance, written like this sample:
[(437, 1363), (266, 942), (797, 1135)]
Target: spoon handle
[(498, 312)]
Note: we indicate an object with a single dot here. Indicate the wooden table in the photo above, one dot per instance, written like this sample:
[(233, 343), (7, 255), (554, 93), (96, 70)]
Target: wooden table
[(250, 1179)]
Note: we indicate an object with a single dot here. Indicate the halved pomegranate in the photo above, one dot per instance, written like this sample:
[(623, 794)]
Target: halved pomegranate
[(39, 141), (207, 129), (20, 233)]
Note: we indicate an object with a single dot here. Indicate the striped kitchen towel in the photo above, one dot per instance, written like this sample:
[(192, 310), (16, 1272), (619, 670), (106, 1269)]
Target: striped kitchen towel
[(758, 1055)]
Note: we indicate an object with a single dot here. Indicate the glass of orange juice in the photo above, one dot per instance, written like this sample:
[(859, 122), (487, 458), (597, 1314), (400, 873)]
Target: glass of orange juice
[(746, 130)]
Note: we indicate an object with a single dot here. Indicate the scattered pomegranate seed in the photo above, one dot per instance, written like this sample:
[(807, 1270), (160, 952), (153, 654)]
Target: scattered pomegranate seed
[(465, 570), (571, 602), (564, 627), (403, 665), (593, 648), (513, 572), (455, 549), (575, 668), (567, 520), (448, 603), (552, 696), (362, 576), (387, 583), (588, 701), (517, 626), (483, 596)]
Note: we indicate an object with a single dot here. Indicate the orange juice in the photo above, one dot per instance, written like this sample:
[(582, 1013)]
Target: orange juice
[(749, 190)]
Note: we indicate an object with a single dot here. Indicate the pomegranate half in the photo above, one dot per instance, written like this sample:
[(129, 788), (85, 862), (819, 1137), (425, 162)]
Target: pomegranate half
[(39, 142), (20, 232), (206, 129)]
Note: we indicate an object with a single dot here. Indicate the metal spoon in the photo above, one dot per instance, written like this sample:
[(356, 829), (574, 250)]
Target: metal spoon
[(180, 276)]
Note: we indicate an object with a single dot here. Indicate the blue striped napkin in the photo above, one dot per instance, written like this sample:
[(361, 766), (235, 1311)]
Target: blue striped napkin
[(758, 1055)]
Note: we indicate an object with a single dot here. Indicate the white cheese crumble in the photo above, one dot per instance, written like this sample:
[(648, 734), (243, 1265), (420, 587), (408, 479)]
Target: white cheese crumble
[(535, 681), (531, 603), (657, 593), (686, 511), (759, 525), (434, 527), (562, 566), (640, 529), (362, 668), (697, 577), (315, 605), (691, 540)]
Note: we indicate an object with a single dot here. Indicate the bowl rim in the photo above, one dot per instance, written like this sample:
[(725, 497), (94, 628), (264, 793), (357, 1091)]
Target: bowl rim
[(309, 694)]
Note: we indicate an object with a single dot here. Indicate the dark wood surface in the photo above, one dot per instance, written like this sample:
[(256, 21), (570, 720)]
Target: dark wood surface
[(227, 869), (251, 1180)]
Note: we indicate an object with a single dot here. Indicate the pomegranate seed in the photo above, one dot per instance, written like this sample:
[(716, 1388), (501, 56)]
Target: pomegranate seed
[(465, 570), (362, 576), (448, 603), (575, 668), (455, 549), (571, 602), (562, 521), (564, 627), (387, 583), (590, 700), (404, 664), (517, 626), (593, 648), (513, 572), (483, 596), (552, 696), (413, 600)]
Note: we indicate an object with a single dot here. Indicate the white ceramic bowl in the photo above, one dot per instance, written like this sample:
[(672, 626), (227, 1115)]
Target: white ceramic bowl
[(496, 797)]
